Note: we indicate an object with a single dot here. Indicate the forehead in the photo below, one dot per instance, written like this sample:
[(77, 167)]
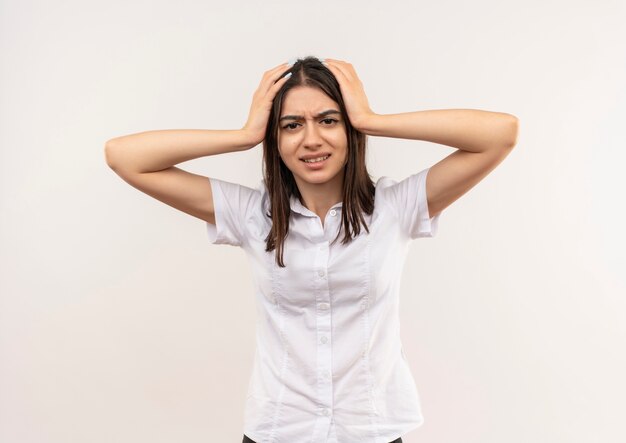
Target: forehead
[(305, 99)]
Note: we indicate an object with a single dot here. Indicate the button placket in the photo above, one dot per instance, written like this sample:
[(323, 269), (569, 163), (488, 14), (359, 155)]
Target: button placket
[(323, 326)]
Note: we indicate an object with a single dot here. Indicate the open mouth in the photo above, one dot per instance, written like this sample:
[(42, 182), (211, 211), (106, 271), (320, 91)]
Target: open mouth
[(316, 161)]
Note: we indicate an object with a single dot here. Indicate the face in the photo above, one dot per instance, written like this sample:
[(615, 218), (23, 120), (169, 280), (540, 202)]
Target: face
[(307, 130)]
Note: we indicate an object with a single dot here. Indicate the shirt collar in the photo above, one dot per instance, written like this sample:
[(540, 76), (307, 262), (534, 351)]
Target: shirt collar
[(298, 207), (294, 203)]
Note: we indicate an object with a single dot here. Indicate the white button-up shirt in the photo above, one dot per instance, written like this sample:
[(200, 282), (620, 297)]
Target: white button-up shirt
[(329, 364)]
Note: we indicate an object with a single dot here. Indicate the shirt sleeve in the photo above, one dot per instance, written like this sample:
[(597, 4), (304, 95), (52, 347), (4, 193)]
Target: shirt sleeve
[(231, 203), (407, 199)]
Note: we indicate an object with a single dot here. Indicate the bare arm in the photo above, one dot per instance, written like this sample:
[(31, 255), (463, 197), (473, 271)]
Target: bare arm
[(157, 150), (146, 160), (465, 129), (153, 151), (483, 139)]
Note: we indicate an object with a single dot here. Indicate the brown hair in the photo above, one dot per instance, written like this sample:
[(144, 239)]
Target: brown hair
[(358, 187)]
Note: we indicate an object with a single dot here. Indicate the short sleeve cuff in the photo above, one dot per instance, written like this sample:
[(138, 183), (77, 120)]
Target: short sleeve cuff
[(212, 232), (427, 225), (220, 233)]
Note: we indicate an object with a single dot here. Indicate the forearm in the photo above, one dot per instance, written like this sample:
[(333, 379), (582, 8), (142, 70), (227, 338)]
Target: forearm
[(466, 129), (157, 150)]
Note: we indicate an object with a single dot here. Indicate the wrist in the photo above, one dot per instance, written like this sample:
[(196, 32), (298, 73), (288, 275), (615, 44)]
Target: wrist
[(368, 123), (248, 139)]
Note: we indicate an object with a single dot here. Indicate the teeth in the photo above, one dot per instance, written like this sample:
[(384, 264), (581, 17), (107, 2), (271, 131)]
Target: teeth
[(313, 160)]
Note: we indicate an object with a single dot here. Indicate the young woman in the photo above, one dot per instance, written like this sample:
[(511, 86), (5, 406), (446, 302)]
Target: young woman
[(329, 364)]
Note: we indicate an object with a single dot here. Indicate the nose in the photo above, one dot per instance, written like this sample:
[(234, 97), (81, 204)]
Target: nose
[(312, 136)]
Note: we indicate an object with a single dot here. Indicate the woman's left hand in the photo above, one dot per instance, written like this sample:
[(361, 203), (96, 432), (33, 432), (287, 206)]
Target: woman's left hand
[(352, 91)]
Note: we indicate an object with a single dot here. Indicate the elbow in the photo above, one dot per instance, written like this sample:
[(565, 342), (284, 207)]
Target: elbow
[(110, 147), (508, 134), (512, 130)]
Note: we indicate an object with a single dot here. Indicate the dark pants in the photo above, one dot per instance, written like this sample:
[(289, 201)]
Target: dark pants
[(247, 440)]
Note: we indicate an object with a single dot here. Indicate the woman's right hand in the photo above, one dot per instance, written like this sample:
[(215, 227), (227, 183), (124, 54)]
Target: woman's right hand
[(262, 101)]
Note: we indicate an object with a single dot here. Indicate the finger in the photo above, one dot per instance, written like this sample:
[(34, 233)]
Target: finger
[(281, 80), (270, 77), (339, 62), (338, 72), (335, 61), (276, 68), (341, 68), (271, 73), (347, 67), (274, 87)]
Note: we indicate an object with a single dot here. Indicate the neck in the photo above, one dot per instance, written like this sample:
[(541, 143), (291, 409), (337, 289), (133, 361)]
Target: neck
[(320, 197)]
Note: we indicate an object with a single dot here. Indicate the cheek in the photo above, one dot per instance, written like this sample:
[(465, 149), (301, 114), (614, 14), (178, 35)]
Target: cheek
[(287, 151)]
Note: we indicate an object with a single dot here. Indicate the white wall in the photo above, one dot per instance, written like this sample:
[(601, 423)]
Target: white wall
[(119, 322)]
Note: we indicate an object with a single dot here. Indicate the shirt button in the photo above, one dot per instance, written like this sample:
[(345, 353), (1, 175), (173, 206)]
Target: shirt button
[(322, 248), (325, 411), (321, 272), (333, 212), (323, 305), (324, 339)]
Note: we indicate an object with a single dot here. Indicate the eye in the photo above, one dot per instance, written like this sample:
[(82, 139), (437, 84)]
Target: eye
[(330, 121)]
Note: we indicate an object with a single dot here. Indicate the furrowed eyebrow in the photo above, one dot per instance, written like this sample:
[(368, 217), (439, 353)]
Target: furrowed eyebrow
[(299, 117)]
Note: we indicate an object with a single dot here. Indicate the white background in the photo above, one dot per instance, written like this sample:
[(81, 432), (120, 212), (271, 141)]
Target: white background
[(119, 322)]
